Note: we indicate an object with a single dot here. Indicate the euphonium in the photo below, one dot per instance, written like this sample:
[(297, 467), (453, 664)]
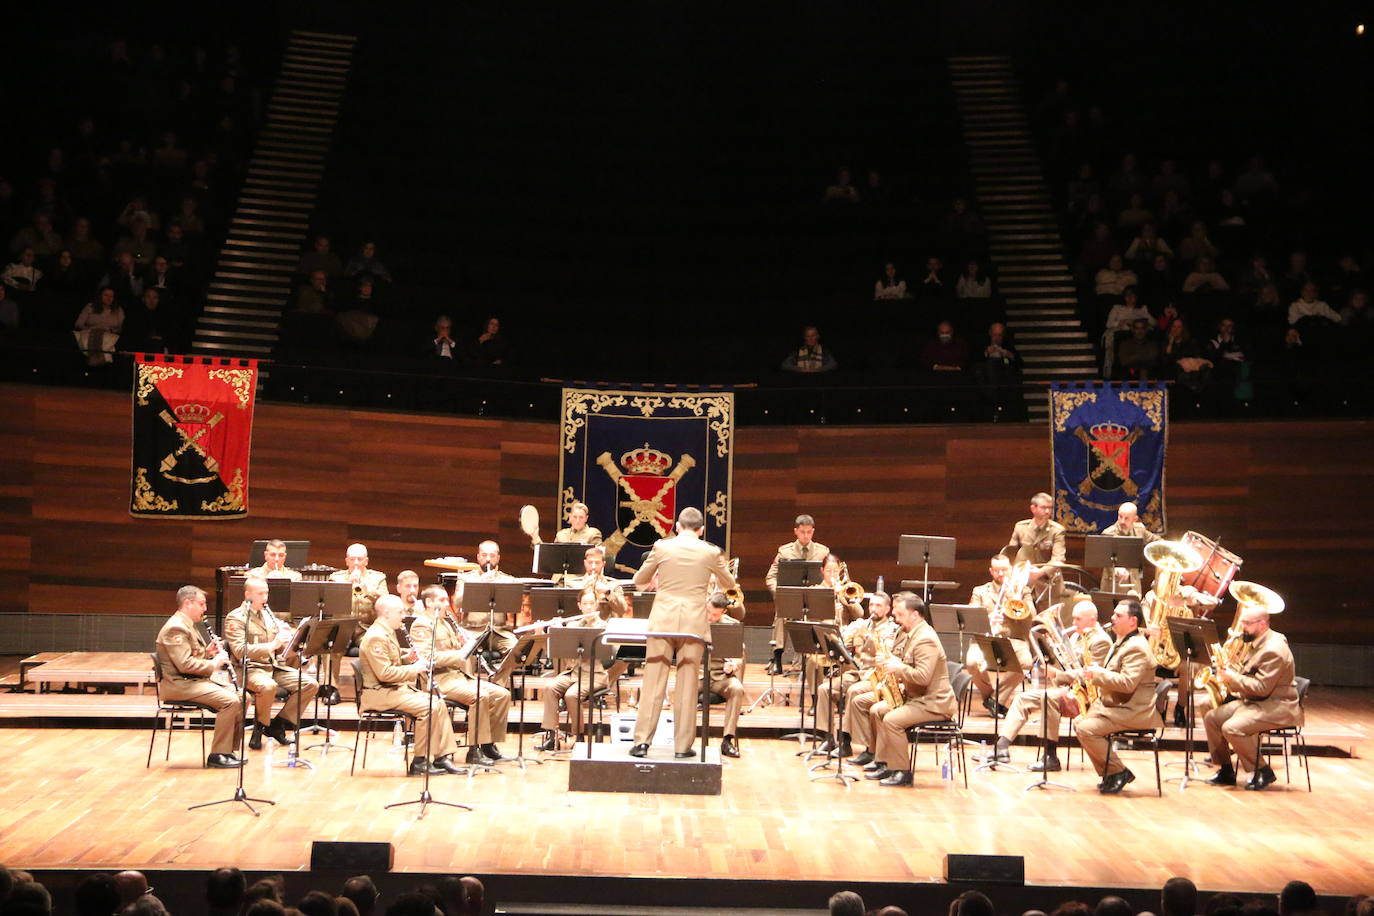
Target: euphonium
[(1171, 560), (1233, 653)]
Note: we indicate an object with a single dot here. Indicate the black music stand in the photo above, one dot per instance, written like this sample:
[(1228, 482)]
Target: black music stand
[(840, 656), (477, 647), (239, 794), (1102, 551), (641, 605), (959, 620), (793, 603), (278, 590), (925, 551), (323, 600), (800, 573), (583, 644), (329, 641), (1192, 636), (550, 603), (1044, 782), (529, 642), (498, 598), (554, 560), (298, 552), (1000, 658), (801, 635)]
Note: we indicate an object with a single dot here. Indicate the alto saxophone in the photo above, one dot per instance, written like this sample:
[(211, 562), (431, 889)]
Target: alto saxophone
[(886, 686)]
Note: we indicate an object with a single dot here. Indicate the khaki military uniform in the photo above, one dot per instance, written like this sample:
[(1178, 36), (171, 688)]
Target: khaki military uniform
[(588, 535), (1039, 546), (612, 602), (1017, 630), (684, 565), (252, 633), (729, 686), (1127, 701), (1030, 703), (1267, 698), (453, 681), (927, 691), (262, 572), (862, 638), (364, 608), (793, 551), (1110, 575), (387, 685), (188, 675), (573, 683)]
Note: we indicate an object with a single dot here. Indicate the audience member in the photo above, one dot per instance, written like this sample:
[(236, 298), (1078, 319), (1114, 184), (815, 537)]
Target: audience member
[(96, 895), (318, 903), (811, 356), (224, 892), (320, 259), (366, 263), (1297, 898), (972, 283), (1204, 277), (944, 353), (1113, 279), (1134, 215), (442, 345), (846, 903), (490, 348), (1178, 897), (842, 190), (28, 898), (890, 285), (971, 903), (1308, 305), (1356, 314), (1137, 357), (1226, 352), (316, 297), (362, 892), (84, 247), (22, 274), (1147, 245), (933, 284), (1122, 316), (412, 904), (40, 236), (1111, 905), (1098, 250), (98, 327), (132, 885), (1197, 245)]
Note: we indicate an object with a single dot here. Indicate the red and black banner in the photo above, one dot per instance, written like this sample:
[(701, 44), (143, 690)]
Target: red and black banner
[(193, 427)]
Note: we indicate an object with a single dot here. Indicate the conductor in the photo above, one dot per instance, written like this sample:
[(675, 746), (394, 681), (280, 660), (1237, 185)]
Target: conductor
[(682, 566)]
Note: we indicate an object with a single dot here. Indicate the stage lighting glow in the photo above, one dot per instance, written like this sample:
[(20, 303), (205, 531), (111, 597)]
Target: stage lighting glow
[(1359, 29)]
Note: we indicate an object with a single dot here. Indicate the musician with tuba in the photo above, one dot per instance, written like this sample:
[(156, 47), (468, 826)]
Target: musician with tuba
[(1126, 684), (1039, 540), (193, 668), (435, 630), (1127, 525), (274, 563), (368, 585), (1011, 612), (609, 595), (1260, 692), (865, 639), (1170, 597), (252, 631), (1086, 643), (914, 688)]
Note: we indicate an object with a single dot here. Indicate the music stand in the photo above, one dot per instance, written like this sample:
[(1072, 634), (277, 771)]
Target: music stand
[(298, 552), (549, 603), (1000, 659), (840, 656), (1106, 603), (321, 599), (329, 641), (1192, 636), (239, 794), (299, 640), (478, 646), (554, 560), (801, 635), (1103, 551), (1044, 782), (583, 644), (925, 551), (528, 643), (959, 620), (278, 590), (799, 573), (499, 598), (793, 602)]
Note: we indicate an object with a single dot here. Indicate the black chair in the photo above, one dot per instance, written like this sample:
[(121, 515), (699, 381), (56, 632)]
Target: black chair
[(369, 717), (950, 732), (1143, 734), (174, 709), (1290, 733)]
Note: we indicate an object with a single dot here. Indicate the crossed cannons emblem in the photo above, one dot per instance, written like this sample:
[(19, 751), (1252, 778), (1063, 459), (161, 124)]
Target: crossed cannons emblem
[(1099, 463), (191, 443), (650, 511)]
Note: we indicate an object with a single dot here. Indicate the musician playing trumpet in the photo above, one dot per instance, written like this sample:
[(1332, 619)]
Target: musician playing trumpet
[(1086, 638), (435, 629), (864, 639), (252, 631), (368, 586), (274, 563), (610, 596), (1004, 596)]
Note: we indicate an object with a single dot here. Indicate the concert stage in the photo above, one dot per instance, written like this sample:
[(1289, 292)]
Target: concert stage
[(81, 798)]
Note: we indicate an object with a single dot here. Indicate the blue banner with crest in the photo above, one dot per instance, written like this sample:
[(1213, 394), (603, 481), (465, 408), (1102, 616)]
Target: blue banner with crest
[(1108, 443), (637, 458)]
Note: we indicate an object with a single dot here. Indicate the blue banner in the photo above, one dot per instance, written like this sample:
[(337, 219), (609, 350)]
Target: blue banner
[(1108, 444), (637, 458)]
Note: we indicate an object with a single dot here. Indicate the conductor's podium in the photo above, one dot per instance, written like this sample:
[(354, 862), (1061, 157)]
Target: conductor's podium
[(611, 769)]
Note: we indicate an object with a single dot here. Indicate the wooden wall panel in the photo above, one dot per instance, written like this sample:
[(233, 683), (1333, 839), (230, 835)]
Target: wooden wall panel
[(1292, 498)]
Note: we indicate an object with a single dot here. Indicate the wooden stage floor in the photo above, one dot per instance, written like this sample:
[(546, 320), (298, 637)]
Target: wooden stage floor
[(82, 798)]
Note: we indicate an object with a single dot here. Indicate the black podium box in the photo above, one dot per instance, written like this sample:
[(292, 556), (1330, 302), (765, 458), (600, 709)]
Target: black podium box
[(612, 769)]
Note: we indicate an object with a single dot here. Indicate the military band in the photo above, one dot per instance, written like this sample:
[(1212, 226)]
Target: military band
[(899, 676)]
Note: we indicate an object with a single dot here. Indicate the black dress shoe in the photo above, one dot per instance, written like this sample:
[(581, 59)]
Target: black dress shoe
[(685, 755), (862, 760), (420, 766), (276, 730), (882, 772), (639, 750), (550, 742), (476, 756), (1226, 776), (329, 695), (492, 751), (1046, 765), (446, 764), (223, 761), (255, 742), (1116, 782), (728, 747), (1180, 717), (874, 765), (897, 778), (1262, 777)]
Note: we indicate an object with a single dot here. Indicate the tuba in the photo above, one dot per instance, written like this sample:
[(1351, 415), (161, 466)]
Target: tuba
[(1234, 652), (1172, 560)]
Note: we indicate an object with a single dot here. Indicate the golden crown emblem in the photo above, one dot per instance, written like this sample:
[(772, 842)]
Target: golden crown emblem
[(1109, 432), (645, 460), (192, 413)]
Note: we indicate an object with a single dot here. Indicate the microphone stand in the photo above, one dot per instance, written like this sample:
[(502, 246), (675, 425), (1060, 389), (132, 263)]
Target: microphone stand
[(426, 799), (239, 794), (1044, 782)]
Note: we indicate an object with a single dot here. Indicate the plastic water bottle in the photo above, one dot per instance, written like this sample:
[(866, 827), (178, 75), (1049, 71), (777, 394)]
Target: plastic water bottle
[(944, 769), (1038, 674), (880, 585), (396, 736), (291, 754)]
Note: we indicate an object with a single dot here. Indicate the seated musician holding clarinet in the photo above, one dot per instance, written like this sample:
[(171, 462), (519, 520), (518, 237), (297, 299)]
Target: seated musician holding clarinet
[(252, 631)]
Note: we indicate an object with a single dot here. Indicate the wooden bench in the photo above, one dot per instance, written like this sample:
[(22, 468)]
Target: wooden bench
[(94, 668), (33, 661)]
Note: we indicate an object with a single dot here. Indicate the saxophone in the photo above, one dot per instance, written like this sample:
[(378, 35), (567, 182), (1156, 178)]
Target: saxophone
[(1235, 651), (886, 686)]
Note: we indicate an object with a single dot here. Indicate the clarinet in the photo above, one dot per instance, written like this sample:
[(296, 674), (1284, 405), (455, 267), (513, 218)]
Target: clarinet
[(218, 644)]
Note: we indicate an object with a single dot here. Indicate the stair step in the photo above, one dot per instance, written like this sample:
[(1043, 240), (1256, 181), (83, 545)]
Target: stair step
[(253, 187), (261, 243), (1035, 313), (1067, 372), (257, 291), (230, 310), (259, 257), (230, 347), (305, 118), (1047, 325), (235, 335), (250, 305), (230, 323)]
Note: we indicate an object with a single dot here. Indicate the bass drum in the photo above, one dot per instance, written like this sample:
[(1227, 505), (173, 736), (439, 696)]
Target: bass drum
[(1219, 565)]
